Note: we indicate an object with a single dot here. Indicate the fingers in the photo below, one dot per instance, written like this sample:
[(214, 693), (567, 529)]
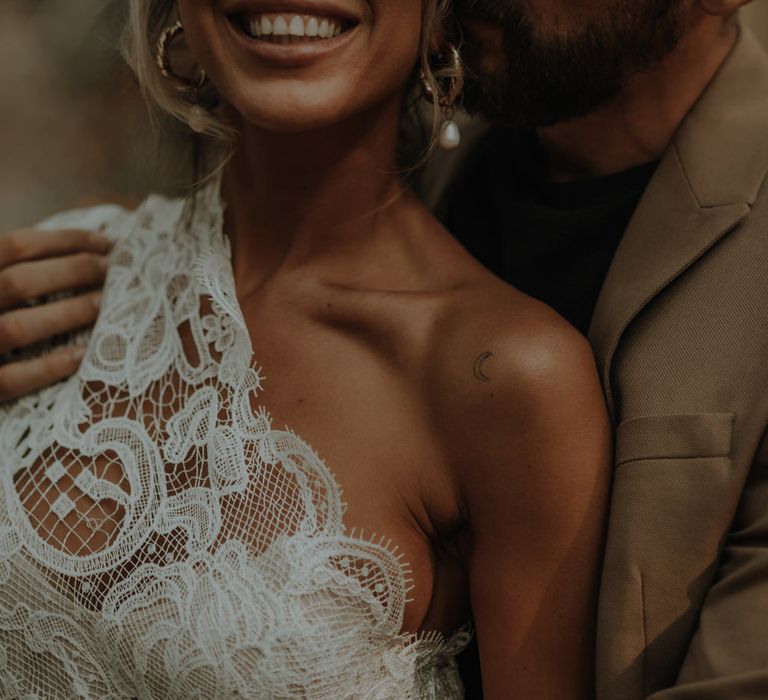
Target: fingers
[(20, 378), (35, 264), (30, 244), (27, 280), (31, 325)]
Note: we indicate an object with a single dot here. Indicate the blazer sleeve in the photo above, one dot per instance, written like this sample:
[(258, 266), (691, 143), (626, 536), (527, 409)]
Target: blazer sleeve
[(728, 655)]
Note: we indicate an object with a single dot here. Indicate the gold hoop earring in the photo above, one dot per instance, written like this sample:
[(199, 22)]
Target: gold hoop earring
[(450, 135), (169, 35), (198, 116)]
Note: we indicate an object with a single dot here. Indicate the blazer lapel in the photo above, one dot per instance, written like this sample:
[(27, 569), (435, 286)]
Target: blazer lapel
[(702, 189), (668, 233)]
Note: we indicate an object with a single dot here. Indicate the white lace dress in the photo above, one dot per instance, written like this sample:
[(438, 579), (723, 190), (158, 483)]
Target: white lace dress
[(159, 538)]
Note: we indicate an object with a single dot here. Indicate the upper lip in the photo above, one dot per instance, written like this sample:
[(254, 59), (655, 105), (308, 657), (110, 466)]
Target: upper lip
[(324, 8)]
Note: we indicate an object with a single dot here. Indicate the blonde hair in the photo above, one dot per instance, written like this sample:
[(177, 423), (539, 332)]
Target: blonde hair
[(147, 19)]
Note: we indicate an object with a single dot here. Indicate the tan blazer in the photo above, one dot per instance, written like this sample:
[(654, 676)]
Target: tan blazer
[(681, 338)]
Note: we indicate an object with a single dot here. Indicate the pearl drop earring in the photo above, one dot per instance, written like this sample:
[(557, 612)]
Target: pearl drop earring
[(450, 134)]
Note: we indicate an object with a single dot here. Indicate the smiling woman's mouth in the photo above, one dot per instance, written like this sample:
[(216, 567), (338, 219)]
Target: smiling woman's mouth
[(278, 28)]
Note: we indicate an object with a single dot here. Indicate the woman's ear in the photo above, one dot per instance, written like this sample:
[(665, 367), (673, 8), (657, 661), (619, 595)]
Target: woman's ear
[(722, 8)]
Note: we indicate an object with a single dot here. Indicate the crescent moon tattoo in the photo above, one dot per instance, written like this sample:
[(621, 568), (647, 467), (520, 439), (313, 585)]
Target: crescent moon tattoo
[(478, 368)]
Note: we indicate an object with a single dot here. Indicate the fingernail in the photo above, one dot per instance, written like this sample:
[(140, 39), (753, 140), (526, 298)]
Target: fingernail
[(78, 352), (96, 300), (103, 264)]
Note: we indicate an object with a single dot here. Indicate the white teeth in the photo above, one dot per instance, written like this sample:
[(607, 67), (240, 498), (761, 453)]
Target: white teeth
[(296, 27), (291, 29), (280, 27)]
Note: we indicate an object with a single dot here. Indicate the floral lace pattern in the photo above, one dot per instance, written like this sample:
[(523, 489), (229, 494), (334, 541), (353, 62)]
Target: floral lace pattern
[(159, 538)]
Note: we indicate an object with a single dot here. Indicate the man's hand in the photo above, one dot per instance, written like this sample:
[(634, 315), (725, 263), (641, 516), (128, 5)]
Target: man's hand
[(35, 264)]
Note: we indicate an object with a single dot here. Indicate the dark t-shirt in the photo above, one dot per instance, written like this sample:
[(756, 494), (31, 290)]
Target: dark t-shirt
[(552, 241)]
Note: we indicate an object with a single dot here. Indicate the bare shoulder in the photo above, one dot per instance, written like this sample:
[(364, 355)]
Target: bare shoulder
[(499, 348), (517, 393), (524, 420), (514, 393)]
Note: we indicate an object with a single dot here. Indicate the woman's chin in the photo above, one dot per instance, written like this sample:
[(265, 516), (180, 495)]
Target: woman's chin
[(288, 122), (283, 109)]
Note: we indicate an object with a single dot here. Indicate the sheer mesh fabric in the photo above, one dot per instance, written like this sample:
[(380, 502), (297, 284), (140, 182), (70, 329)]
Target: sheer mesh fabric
[(159, 538)]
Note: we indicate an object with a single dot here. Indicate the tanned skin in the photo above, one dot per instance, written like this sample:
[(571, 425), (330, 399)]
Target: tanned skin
[(491, 477), (35, 264), (463, 421)]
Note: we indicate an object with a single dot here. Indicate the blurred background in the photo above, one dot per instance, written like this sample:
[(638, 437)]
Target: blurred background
[(73, 127)]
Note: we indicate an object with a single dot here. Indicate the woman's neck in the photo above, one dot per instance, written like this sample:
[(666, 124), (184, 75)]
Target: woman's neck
[(294, 198)]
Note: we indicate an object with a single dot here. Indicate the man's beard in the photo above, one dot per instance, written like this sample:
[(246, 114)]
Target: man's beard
[(548, 80)]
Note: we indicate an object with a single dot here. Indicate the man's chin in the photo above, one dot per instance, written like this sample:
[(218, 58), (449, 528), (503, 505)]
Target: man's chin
[(519, 78), (532, 101)]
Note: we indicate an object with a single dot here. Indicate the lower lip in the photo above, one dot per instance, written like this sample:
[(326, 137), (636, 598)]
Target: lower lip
[(290, 55)]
